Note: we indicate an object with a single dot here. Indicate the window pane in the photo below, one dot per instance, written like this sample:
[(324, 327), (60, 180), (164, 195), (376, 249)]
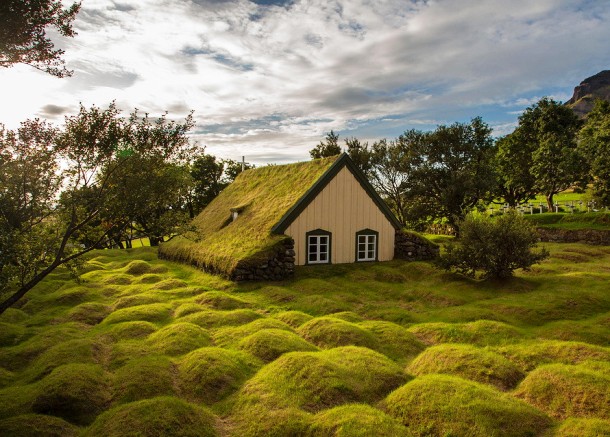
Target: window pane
[(323, 257), (371, 254)]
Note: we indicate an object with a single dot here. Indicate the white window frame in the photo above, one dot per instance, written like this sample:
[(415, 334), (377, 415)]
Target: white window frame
[(367, 245), (321, 242)]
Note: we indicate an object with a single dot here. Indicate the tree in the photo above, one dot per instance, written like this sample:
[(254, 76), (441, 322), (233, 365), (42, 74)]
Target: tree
[(450, 170), (44, 223), (497, 246), (360, 154), (329, 148), (594, 142), (512, 164), (549, 129), (23, 38)]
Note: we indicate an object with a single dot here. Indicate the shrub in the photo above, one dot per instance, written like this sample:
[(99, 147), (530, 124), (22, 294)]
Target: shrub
[(444, 405), (157, 417), (496, 246)]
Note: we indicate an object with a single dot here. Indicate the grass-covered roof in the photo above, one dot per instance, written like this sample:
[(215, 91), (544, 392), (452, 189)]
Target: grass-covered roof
[(262, 196)]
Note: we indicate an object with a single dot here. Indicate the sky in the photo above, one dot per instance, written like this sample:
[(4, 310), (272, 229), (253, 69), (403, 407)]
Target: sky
[(267, 79)]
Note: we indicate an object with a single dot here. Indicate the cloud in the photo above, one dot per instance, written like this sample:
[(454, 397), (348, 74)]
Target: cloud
[(54, 111), (272, 76)]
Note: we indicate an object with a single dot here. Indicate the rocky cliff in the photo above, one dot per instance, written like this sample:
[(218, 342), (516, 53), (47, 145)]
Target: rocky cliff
[(590, 89)]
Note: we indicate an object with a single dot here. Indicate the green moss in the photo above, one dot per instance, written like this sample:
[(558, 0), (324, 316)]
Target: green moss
[(158, 417), (143, 378), (13, 315), (74, 392), (293, 318), (11, 334), (6, 377), (269, 344), (123, 351), (138, 267), (156, 313), (258, 421), (150, 278), (595, 330), (232, 335), (348, 316), (17, 399), (38, 425), (467, 362), (188, 308), (356, 420), (127, 330), (480, 333), (169, 284), (446, 405), (531, 354), (210, 374), (394, 341), (567, 391), (135, 300), (178, 339), (215, 319), (584, 428), (328, 332), (219, 244), (221, 301), (118, 279), (89, 313), (317, 380)]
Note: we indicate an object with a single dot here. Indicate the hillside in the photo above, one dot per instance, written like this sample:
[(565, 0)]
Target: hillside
[(589, 90), (153, 348)]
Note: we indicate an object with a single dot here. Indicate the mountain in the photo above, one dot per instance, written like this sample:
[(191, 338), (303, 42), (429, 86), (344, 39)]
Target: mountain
[(590, 89)]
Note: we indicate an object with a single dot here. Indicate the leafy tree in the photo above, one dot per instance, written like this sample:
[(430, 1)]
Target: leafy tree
[(594, 142), (23, 38), (450, 170), (512, 163), (329, 148), (549, 129), (233, 168), (360, 154), (206, 171), (495, 246), (45, 213)]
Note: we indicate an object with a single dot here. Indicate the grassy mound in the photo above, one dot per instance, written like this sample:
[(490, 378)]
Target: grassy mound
[(150, 278), (6, 377), (584, 428), (293, 318), (215, 319), (348, 316), (531, 354), (269, 344), (158, 417), (221, 301), (480, 333), (144, 378), (127, 330), (188, 308), (74, 392), (567, 391), (117, 279), (209, 374), (170, 284), (446, 405), (394, 341), (256, 421), (68, 352), (328, 332), (355, 420), (156, 313), (233, 335), (11, 334), (90, 313), (595, 330), (37, 425), (468, 362), (135, 300), (179, 338), (138, 267), (317, 380)]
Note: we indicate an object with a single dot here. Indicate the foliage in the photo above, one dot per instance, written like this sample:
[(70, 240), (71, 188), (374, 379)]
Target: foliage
[(512, 163), (329, 147), (50, 218), (549, 129), (497, 246), (594, 141), (23, 37)]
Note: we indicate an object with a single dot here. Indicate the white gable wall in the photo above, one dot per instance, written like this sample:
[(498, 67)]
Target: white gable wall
[(343, 208)]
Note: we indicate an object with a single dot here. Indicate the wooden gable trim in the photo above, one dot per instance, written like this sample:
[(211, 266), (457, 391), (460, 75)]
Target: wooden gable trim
[(343, 161)]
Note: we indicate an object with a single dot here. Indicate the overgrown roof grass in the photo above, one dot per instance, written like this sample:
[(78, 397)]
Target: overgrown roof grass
[(262, 196)]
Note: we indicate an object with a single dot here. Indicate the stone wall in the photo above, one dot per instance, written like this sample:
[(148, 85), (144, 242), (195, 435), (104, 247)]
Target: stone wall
[(409, 245), (279, 265), (588, 236)]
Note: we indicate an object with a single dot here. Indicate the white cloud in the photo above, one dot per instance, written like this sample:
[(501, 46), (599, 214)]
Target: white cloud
[(273, 79)]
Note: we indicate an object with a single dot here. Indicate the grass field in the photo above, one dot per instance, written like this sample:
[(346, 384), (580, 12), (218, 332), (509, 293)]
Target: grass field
[(153, 348)]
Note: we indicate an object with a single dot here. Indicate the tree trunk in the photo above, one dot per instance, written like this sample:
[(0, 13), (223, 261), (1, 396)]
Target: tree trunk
[(549, 202), (154, 241)]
